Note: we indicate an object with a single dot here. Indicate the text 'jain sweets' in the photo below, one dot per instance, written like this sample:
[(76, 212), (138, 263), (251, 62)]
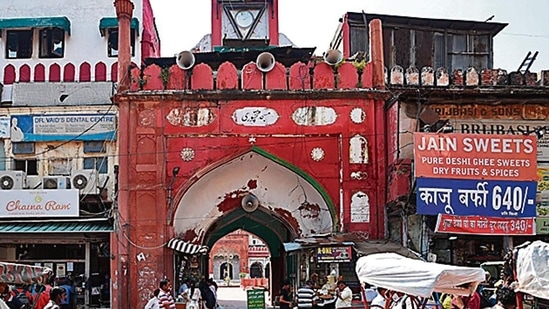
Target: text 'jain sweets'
[(477, 144)]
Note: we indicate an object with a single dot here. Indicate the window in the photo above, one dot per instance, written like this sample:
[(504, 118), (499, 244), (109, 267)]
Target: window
[(59, 167), (112, 34), (22, 148), (467, 50), (19, 44), (52, 43), (94, 146), (29, 166), (100, 164)]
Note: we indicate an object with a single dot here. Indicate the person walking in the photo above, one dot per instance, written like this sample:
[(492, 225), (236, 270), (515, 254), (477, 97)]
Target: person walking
[(57, 294), (184, 286), (285, 299), (306, 296), (43, 295), (195, 296), (68, 302), (344, 295), (154, 302), (209, 296), (165, 298), (379, 301)]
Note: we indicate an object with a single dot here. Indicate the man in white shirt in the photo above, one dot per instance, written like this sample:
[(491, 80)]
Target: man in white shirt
[(153, 302), (344, 295), (379, 301)]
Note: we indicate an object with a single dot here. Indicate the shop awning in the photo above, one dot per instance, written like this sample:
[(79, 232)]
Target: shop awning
[(55, 227), (185, 247), (295, 246), (362, 247), (373, 246), (112, 22), (61, 22)]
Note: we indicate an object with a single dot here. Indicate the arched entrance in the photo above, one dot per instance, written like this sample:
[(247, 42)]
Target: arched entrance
[(256, 270), (226, 270), (291, 204)]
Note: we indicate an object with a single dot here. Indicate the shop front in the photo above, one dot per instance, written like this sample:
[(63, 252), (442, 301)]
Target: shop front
[(328, 259), (75, 248), (189, 261)]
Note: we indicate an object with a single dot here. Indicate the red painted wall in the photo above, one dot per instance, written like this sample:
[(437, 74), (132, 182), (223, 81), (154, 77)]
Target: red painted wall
[(150, 43), (150, 146)]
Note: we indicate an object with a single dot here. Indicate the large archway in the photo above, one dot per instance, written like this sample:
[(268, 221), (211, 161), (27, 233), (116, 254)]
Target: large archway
[(291, 204)]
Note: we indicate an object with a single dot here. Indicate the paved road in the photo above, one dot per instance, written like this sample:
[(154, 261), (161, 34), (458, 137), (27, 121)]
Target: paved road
[(234, 298)]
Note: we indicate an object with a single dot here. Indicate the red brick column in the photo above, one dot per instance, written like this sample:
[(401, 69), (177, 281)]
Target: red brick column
[(124, 10)]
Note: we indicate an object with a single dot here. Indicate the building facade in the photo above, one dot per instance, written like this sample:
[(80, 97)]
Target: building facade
[(441, 76), (283, 151), (58, 135)]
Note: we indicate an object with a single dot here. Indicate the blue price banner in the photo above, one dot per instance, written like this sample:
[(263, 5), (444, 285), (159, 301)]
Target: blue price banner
[(491, 198)]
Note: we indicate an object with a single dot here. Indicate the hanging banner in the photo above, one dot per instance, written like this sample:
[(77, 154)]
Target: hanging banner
[(475, 156), (504, 199), (484, 225)]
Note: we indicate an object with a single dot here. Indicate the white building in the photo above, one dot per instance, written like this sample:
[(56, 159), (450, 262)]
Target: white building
[(58, 134)]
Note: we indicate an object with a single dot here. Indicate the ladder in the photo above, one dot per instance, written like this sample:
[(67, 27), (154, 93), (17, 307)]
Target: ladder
[(527, 62)]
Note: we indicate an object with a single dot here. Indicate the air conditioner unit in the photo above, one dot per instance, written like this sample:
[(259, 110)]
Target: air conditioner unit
[(87, 181), (13, 180), (56, 182), (34, 182)]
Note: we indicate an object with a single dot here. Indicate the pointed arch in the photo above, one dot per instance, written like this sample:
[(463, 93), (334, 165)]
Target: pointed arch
[(24, 73), (55, 73), (100, 72), (292, 203), (68, 72), (85, 72), (9, 74), (39, 73), (114, 72)]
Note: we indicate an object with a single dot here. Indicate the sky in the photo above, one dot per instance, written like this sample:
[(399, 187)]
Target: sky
[(312, 23)]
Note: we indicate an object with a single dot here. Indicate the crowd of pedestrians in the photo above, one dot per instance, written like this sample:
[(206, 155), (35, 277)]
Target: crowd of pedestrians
[(195, 295)]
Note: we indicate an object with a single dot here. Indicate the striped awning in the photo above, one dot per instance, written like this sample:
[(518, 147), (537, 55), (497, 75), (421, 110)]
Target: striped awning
[(186, 248), (56, 227)]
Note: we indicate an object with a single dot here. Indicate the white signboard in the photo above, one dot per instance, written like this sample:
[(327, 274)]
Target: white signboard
[(60, 127), (39, 203), (4, 127), (255, 116)]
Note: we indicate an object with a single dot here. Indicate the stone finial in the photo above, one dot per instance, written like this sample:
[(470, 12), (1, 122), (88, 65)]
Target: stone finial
[(397, 75), (412, 76), (530, 79), (488, 77), (471, 77), (427, 76), (442, 77), (515, 78), (545, 78), (502, 78), (457, 77)]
